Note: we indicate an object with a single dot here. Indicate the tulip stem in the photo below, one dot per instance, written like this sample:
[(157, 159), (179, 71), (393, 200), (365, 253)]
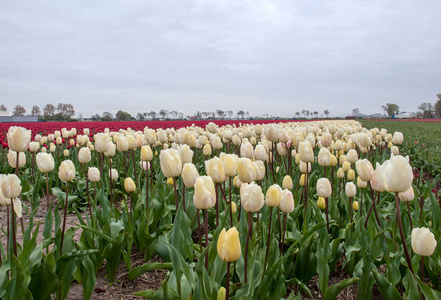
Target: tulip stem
[(14, 229), (250, 228), (268, 239), (327, 213), (361, 203), (199, 229), (9, 226), (280, 227), (217, 203), (147, 196), (306, 199), (47, 192), (422, 268), (350, 208), (183, 197), (410, 218), (206, 237), (87, 192), (65, 217), (176, 194), (283, 232), (134, 166), (403, 239), (227, 285)]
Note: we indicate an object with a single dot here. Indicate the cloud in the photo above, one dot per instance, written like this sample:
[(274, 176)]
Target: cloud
[(274, 57)]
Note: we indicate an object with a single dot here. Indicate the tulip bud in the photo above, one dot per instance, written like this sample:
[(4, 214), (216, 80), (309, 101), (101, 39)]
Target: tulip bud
[(34, 146), (233, 207), (352, 156), (52, 147), (350, 189), (84, 155), (302, 180), (246, 150), (360, 183), (324, 188), (394, 150), (230, 162), (397, 138), (251, 197), (355, 205), (306, 153), (129, 185), (287, 182), (407, 196), (340, 173), (170, 161), (228, 245), (170, 181), (260, 153), (59, 140), (324, 157), (273, 195), (321, 203), (186, 154), (113, 174), (246, 170), (94, 174), (206, 151), (351, 175), (397, 174), (122, 145), (66, 172), (346, 166), (18, 138), (286, 201), (189, 174), (215, 169), (12, 159), (305, 167), (236, 182), (222, 294), (11, 186), (364, 169), (204, 193), (423, 241), (66, 153)]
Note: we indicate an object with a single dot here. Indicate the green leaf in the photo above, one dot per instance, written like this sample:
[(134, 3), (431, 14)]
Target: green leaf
[(388, 291), (333, 291), (429, 293), (147, 268), (44, 280), (89, 278), (17, 287)]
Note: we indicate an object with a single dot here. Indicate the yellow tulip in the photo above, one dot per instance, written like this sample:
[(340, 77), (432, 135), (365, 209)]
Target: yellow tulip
[(228, 245)]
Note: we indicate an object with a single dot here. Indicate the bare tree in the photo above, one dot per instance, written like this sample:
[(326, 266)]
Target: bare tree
[(36, 111), (3, 108), (220, 113), (48, 111), (65, 110), (163, 113), (326, 112), (19, 110), (107, 116), (241, 113), (391, 109), (152, 115), (355, 112), (315, 114), (140, 117)]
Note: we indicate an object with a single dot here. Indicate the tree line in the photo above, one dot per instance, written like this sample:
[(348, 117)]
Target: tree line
[(61, 112)]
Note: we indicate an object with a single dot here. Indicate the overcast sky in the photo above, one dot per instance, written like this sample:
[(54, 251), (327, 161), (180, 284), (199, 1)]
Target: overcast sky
[(261, 56)]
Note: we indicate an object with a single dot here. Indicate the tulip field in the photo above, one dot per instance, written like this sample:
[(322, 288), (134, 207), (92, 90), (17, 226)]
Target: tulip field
[(331, 209)]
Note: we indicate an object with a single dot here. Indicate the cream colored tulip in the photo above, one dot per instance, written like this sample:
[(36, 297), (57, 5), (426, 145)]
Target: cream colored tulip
[(273, 195), (204, 193), (66, 172), (170, 161), (251, 197), (18, 138), (324, 188), (423, 241)]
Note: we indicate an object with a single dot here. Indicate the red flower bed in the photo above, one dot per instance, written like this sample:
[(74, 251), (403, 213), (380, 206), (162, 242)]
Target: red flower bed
[(45, 128)]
